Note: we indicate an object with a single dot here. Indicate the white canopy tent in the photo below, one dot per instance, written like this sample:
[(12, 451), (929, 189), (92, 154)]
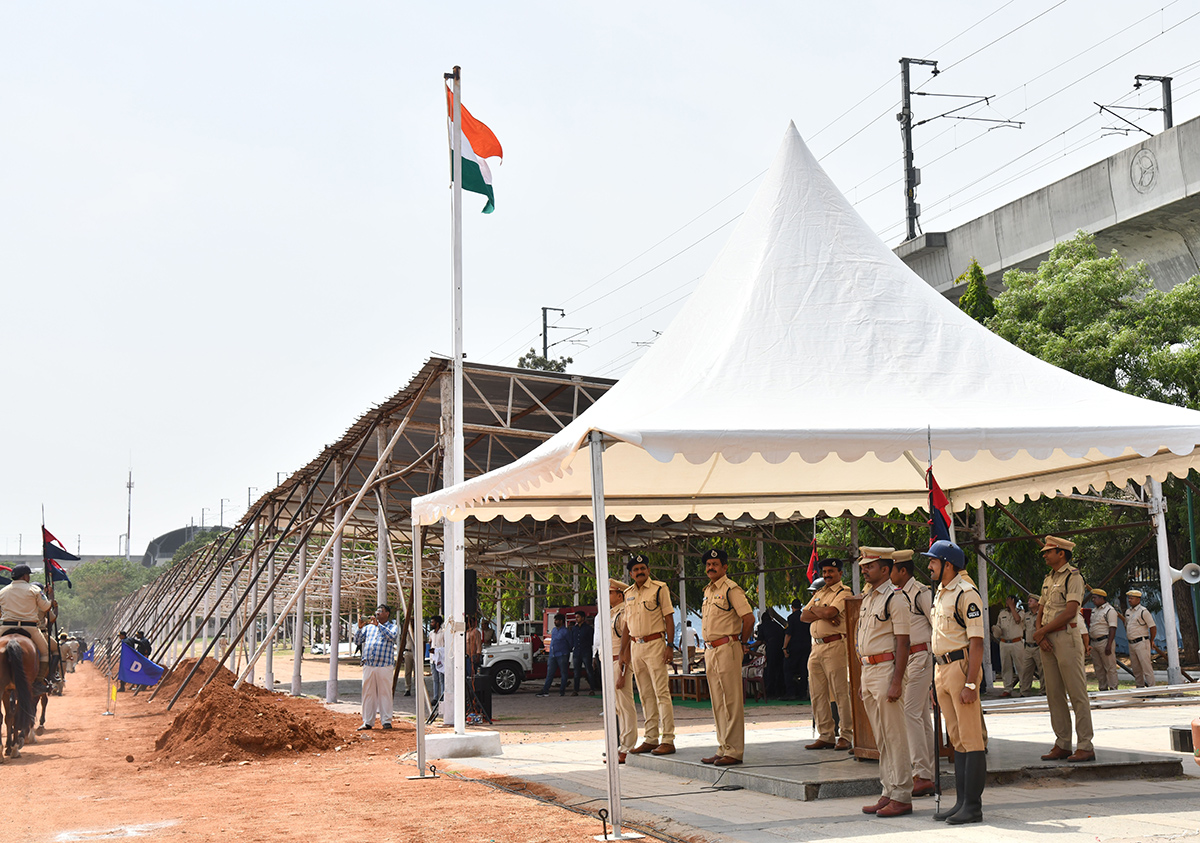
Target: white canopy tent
[(812, 370)]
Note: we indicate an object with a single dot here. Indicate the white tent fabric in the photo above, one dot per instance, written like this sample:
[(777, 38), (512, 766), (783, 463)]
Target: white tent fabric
[(808, 372)]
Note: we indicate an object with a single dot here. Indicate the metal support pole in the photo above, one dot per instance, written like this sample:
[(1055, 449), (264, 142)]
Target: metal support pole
[(335, 595), (381, 527), (683, 613), (298, 638), (856, 577), (762, 580), (1158, 513), (982, 570), (912, 176)]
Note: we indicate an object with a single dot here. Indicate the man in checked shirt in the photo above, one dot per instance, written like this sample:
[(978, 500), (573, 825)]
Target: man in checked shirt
[(377, 638)]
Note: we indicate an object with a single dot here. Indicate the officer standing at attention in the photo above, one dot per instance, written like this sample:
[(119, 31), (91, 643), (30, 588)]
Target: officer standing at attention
[(626, 713), (1031, 664), (727, 621), (649, 631), (1059, 637), (1010, 632), (918, 677), (958, 652), (882, 639), (828, 669), (1101, 632), (1141, 632)]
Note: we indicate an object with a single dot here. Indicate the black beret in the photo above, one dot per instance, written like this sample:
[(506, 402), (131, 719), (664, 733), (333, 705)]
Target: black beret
[(823, 563), (717, 553), (636, 559)]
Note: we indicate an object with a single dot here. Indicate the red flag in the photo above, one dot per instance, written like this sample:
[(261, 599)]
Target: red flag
[(939, 516), (812, 561)]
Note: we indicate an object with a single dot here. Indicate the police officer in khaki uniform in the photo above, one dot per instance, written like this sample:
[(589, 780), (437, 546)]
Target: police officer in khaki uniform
[(1102, 631), (728, 622), (882, 640), (1141, 631), (649, 631), (1010, 633), (958, 653), (1031, 662), (626, 713), (828, 669), (918, 677), (1060, 639), (22, 606)]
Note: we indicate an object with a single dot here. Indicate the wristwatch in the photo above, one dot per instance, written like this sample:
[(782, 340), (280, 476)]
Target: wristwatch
[(972, 686)]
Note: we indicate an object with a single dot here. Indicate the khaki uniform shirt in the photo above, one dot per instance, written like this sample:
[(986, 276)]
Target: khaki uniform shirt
[(920, 600), (1138, 621), (1058, 589), (831, 595), (725, 605), (1006, 628), (646, 607), (1030, 619), (23, 601), (1104, 618), (617, 613), (884, 614), (948, 634)]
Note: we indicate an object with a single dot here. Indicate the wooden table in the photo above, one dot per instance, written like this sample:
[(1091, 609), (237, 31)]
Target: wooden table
[(688, 686)]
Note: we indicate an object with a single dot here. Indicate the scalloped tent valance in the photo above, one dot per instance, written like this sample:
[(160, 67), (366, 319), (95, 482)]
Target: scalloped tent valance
[(808, 372)]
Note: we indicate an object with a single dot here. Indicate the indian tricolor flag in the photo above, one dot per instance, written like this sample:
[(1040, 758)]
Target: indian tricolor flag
[(478, 144)]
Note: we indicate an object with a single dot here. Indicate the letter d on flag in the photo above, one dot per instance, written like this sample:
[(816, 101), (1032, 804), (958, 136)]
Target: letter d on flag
[(136, 669)]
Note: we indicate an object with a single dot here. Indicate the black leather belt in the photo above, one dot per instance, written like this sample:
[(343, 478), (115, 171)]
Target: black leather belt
[(1136, 640), (35, 623), (1027, 645), (956, 656)]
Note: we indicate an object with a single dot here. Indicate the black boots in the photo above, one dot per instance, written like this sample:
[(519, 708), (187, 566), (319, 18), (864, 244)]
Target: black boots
[(972, 809), (960, 780), (40, 685)]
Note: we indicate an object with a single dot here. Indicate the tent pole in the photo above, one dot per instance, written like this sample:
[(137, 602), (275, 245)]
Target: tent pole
[(600, 540), (855, 582), (762, 581), (982, 569), (418, 645), (1158, 514), (683, 612), (335, 594), (298, 638)]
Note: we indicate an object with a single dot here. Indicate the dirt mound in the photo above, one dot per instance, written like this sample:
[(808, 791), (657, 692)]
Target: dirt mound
[(170, 685), (227, 725)]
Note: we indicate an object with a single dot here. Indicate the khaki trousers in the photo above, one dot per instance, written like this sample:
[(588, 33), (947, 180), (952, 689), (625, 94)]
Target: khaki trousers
[(964, 723), (650, 671), (1031, 665), (626, 713), (1104, 665), (409, 668), (1010, 665), (891, 732), (39, 640), (1064, 678), (918, 712), (1143, 668), (723, 666), (829, 682)]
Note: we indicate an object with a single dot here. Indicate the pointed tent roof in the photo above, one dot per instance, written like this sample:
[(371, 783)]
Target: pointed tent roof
[(812, 370)]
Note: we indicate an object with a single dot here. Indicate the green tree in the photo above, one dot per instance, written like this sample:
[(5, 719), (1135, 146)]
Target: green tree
[(198, 541), (976, 300), (1094, 316), (96, 589), (533, 360)]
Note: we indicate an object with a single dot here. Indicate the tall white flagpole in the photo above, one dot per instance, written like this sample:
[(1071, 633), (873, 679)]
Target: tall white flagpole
[(455, 551)]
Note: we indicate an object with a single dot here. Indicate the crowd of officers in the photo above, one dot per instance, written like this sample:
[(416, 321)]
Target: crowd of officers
[(909, 639)]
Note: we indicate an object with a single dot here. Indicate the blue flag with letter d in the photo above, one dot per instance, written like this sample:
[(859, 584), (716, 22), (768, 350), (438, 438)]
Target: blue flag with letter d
[(136, 669)]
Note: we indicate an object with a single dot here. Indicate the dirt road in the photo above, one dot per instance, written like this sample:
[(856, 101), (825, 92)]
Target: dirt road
[(246, 767)]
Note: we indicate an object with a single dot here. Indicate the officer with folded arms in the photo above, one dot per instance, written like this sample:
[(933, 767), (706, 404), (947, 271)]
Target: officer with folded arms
[(958, 655), (828, 668)]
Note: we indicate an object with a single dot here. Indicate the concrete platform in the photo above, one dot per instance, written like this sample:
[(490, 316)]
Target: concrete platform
[(777, 764), (474, 744)]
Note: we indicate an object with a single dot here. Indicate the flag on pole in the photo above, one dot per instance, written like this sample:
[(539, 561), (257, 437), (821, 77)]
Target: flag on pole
[(53, 550), (88, 655), (939, 513), (812, 560), (5, 575), (478, 144), (136, 668)]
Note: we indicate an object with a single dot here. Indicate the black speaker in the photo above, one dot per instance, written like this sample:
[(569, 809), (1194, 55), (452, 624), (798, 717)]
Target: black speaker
[(470, 591), (481, 693)]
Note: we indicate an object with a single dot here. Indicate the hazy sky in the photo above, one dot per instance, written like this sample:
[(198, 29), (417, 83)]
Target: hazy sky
[(224, 227)]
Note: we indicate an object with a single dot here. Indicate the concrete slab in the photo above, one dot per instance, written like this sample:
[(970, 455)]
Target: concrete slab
[(778, 765), (474, 744)]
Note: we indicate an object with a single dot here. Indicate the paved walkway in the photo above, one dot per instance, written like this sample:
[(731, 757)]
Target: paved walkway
[(1064, 810)]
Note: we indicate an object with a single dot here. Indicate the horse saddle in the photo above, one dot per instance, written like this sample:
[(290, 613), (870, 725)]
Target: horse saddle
[(17, 630)]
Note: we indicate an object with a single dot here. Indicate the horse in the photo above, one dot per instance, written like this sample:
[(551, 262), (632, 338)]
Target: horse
[(18, 666)]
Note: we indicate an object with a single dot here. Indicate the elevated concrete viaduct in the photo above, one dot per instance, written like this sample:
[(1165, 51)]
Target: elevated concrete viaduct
[(1144, 202)]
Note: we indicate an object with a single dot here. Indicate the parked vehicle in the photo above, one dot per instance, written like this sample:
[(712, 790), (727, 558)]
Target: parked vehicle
[(520, 654)]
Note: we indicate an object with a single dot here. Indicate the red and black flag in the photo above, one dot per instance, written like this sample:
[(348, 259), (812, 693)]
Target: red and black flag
[(52, 552), (939, 512), (812, 560), (5, 575)]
